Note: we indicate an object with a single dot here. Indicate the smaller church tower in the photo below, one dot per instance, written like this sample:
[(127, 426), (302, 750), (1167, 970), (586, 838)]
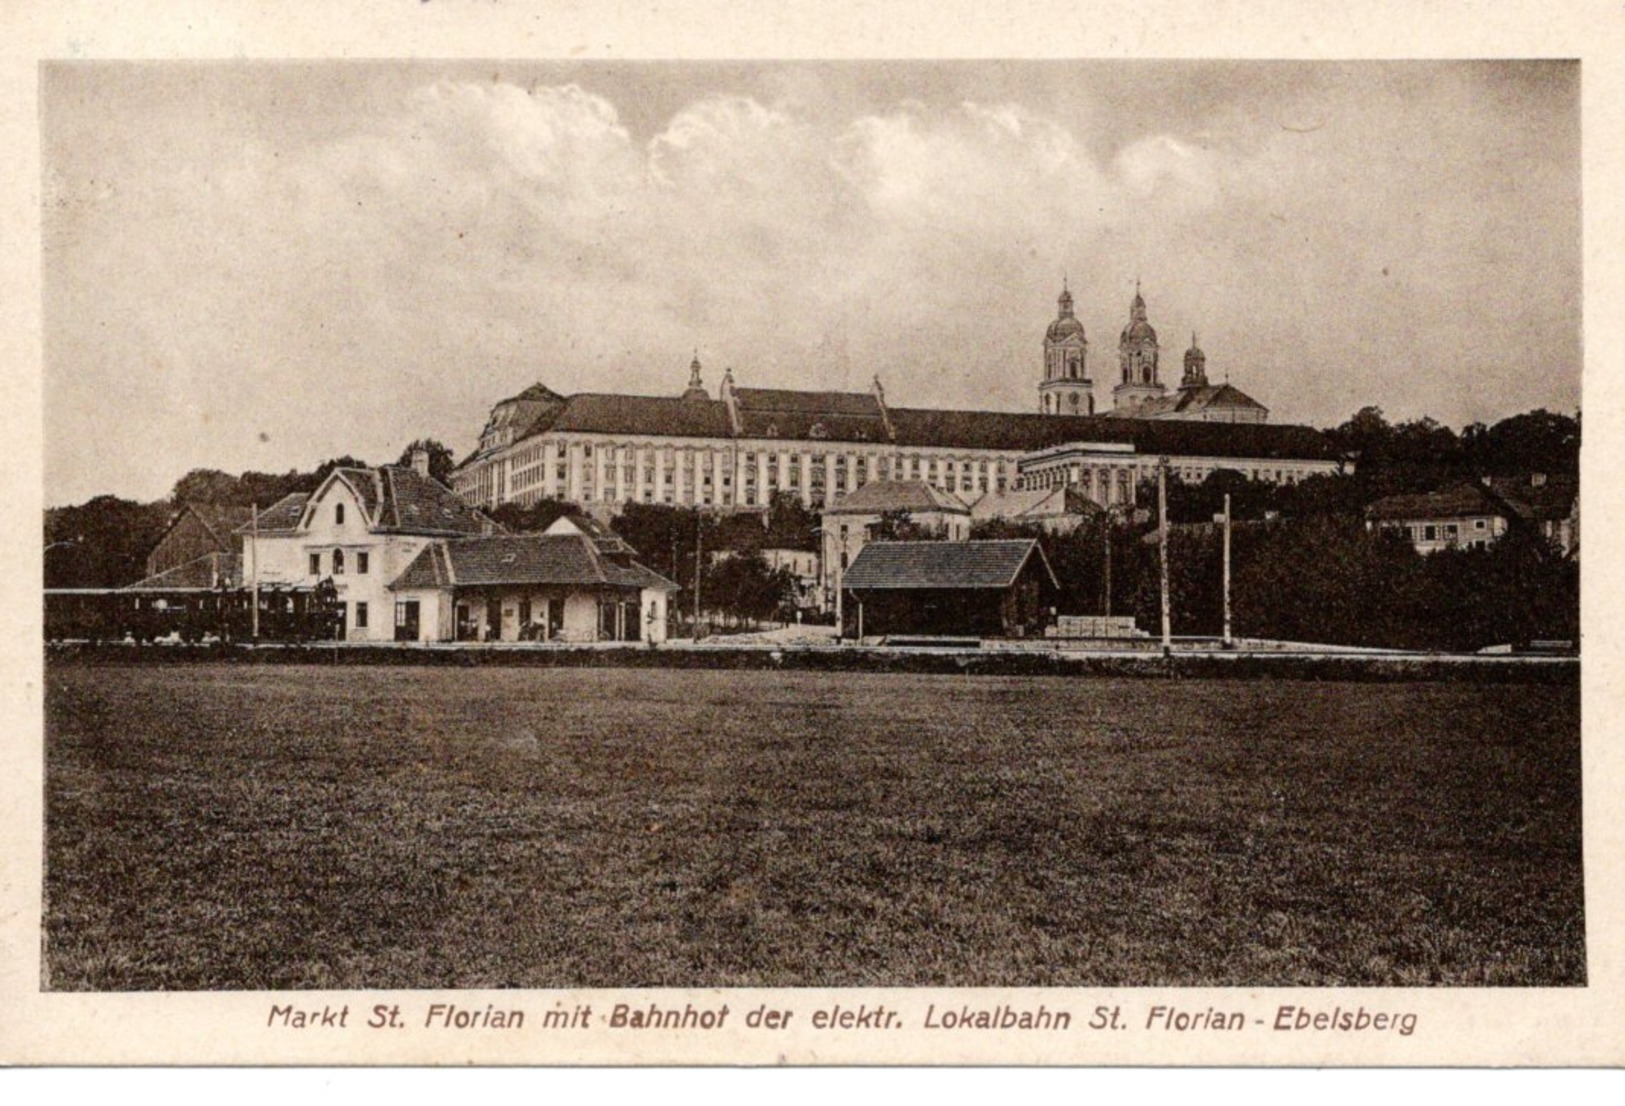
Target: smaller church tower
[(1195, 367), (1066, 388), (1137, 351), (695, 389)]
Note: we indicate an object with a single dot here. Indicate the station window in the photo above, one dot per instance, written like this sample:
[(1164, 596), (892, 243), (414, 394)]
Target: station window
[(361, 563), (338, 514), (338, 562), (315, 564), (360, 616)]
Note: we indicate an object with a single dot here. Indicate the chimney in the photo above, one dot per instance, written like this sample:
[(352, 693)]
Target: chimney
[(420, 460)]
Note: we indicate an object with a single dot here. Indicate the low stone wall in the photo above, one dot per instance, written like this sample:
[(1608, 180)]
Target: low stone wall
[(1150, 665)]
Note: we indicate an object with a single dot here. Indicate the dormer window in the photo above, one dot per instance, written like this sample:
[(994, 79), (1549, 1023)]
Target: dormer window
[(338, 514)]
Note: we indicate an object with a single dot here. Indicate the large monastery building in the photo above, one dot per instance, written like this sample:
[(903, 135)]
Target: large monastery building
[(738, 449)]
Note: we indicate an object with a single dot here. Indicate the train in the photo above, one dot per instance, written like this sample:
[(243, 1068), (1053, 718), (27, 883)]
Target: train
[(193, 615)]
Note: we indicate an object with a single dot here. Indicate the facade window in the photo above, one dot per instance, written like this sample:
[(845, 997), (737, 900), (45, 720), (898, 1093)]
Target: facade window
[(315, 564), (361, 616), (338, 562), (1430, 533), (361, 563), (338, 514), (1478, 524)]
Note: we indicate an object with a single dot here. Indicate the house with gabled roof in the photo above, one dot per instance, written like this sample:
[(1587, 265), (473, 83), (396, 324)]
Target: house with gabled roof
[(575, 582), (1002, 588), (360, 529)]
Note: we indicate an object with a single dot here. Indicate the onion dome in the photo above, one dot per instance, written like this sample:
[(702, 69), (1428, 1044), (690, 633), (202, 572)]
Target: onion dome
[(1138, 330), (1066, 324)]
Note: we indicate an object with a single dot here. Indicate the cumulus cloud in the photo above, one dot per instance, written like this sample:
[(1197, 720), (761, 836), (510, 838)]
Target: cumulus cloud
[(391, 277)]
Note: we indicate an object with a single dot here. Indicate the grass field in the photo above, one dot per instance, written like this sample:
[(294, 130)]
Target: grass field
[(224, 828)]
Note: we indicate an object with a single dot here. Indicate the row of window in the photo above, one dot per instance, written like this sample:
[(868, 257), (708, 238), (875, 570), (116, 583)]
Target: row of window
[(337, 561)]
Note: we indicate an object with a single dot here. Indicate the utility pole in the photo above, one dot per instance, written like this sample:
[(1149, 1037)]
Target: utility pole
[(254, 558), (1106, 530), (1227, 570), (1162, 545)]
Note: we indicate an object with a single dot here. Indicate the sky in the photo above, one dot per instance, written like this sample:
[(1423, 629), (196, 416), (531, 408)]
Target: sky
[(255, 265)]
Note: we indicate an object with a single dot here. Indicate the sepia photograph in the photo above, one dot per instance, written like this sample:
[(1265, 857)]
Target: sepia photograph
[(678, 524)]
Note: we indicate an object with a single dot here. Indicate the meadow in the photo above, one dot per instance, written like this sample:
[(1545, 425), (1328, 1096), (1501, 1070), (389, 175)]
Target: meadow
[(237, 827)]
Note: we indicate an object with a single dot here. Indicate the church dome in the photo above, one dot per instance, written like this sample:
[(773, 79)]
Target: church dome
[(1066, 324), (1138, 330), (1064, 328)]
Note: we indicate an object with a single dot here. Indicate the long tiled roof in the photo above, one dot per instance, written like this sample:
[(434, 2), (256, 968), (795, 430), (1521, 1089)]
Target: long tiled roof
[(516, 559), (887, 565), (858, 417), (1462, 501), (645, 415), (813, 403), (879, 496)]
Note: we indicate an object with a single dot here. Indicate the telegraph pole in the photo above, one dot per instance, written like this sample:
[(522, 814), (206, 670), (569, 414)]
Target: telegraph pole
[(1162, 545), (1227, 570), (699, 528), (1106, 529), (254, 556)]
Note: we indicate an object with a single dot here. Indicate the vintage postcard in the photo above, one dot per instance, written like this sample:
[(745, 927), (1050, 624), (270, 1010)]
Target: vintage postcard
[(549, 539)]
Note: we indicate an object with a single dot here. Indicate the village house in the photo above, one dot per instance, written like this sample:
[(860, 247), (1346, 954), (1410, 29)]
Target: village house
[(1473, 514), (575, 582), (949, 588), (359, 530)]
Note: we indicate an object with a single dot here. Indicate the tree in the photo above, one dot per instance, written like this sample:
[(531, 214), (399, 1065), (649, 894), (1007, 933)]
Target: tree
[(790, 525), (1538, 441), (441, 459), (899, 525), (102, 543)]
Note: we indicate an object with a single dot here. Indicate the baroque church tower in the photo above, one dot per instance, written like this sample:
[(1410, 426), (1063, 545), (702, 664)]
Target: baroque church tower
[(1137, 359), (1066, 388)]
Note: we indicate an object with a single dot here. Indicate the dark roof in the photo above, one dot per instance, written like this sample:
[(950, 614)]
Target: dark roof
[(1462, 501), (414, 503), (570, 559), (811, 403), (283, 515), (859, 416), (886, 565), (206, 573), (879, 496), (1537, 497), (652, 415)]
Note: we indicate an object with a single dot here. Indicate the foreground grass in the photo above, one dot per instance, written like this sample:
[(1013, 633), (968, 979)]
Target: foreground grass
[(213, 828)]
